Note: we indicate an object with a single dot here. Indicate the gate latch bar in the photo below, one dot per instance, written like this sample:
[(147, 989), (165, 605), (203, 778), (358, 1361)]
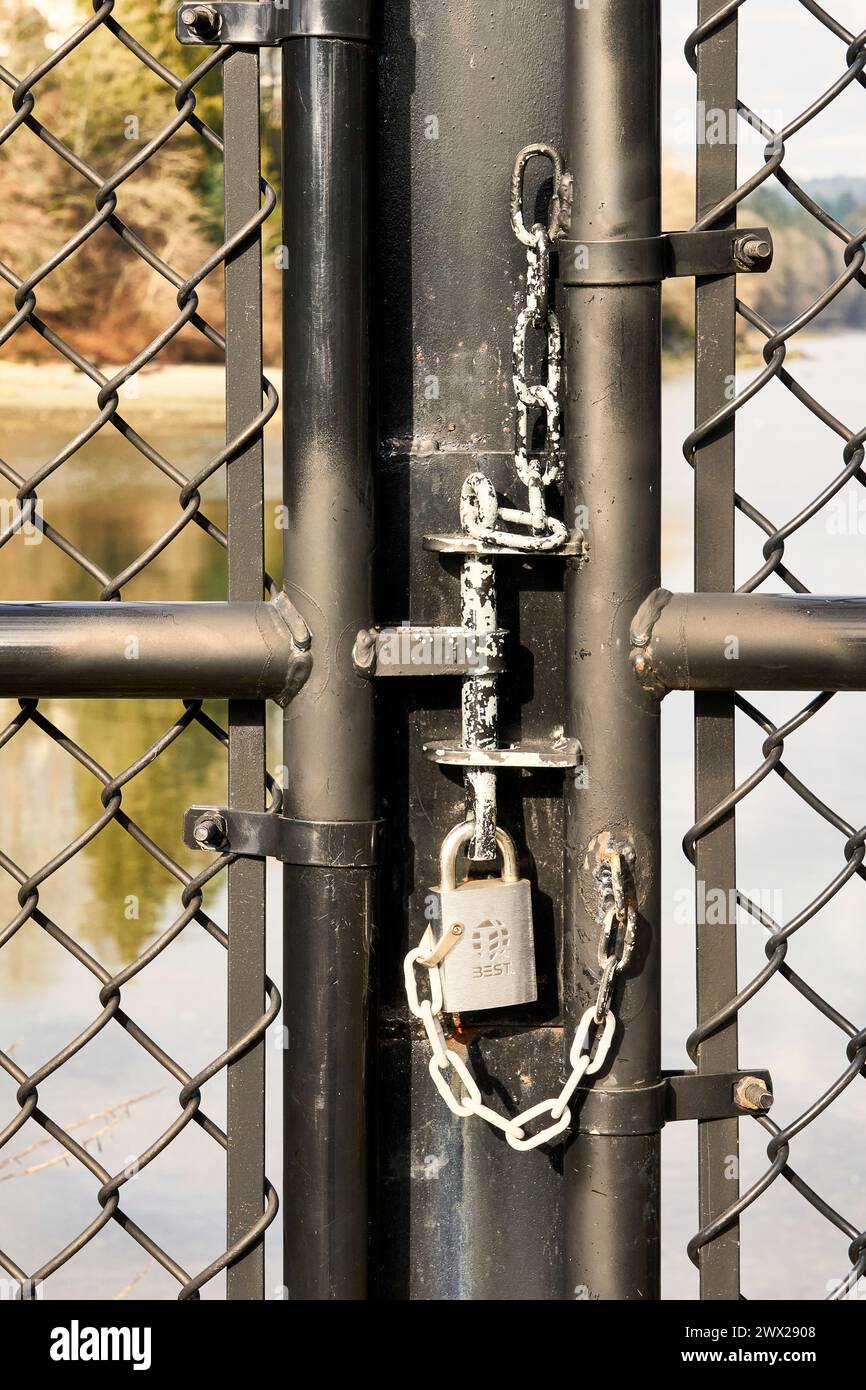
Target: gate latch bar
[(263, 835), (272, 22), (649, 260), (410, 650)]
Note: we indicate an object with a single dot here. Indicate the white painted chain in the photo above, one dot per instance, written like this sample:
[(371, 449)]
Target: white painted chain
[(480, 513), (586, 1057)]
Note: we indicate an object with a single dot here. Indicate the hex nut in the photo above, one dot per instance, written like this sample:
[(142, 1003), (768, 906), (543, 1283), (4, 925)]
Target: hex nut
[(752, 1094)]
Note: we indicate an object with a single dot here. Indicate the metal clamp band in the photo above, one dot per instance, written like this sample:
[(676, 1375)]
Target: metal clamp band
[(649, 260), (260, 835), (678, 1096), (268, 24)]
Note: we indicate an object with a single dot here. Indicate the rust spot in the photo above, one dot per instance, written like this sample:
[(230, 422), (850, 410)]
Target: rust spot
[(463, 1034)]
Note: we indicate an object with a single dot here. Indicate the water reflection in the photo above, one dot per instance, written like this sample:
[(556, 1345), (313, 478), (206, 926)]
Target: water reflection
[(113, 897), (112, 502)]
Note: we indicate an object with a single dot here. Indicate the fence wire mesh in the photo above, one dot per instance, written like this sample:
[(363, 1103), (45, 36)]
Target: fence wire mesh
[(779, 934), (27, 289)]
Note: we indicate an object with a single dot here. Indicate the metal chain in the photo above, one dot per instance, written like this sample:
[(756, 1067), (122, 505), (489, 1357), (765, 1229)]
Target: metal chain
[(592, 1040), (620, 912), (479, 505)]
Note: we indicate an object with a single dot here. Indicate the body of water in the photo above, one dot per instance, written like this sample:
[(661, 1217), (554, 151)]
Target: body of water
[(111, 503)]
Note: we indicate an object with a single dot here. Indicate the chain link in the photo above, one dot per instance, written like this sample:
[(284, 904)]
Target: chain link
[(115, 187), (592, 1040), (479, 505)]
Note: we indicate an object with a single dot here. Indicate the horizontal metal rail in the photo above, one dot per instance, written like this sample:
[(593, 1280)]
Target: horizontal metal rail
[(749, 642), (256, 651)]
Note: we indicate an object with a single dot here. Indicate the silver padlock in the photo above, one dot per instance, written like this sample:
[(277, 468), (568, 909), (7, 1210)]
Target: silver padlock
[(482, 931)]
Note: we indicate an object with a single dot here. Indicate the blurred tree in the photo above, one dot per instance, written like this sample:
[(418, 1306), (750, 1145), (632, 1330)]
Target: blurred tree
[(808, 258), (105, 104)]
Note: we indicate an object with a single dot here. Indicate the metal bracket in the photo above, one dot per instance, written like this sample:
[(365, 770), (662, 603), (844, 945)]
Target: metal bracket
[(267, 24), (260, 835), (553, 754), (428, 651), (693, 1095), (680, 1095), (649, 260)]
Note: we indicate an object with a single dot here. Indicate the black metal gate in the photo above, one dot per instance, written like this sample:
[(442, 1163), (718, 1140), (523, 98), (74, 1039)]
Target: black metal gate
[(82, 651), (442, 657), (711, 843)]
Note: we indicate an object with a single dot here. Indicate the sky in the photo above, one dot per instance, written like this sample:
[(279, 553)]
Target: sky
[(787, 58)]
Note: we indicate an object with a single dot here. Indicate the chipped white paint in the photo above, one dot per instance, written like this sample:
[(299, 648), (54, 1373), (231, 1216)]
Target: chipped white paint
[(430, 1168), (480, 514)]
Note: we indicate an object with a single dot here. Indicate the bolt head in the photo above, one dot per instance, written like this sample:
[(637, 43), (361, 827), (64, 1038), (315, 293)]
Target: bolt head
[(204, 21)]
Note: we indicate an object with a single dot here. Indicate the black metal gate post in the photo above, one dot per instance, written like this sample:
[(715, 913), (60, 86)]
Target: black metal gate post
[(462, 88), (328, 490), (613, 408), (715, 851), (245, 486)]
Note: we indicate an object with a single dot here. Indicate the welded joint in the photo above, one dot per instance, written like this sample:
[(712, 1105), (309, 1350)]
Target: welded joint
[(300, 659), (614, 869), (640, 637), (616, 914), (268, 23)]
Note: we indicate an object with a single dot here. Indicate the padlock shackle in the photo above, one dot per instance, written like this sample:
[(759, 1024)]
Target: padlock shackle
[(460, 836)]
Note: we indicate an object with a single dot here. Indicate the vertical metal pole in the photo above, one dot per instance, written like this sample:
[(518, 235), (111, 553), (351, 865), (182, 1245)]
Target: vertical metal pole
[(246, 886), (613, 439), (328, 489), (715, 861)]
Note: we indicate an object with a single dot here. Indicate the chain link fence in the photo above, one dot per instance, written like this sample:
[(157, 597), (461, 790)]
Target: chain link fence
[(777, 532), (175, 96), (27, 291)]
